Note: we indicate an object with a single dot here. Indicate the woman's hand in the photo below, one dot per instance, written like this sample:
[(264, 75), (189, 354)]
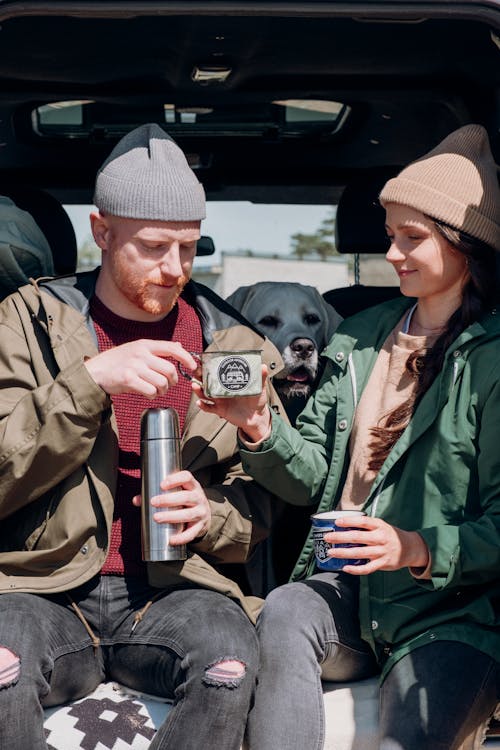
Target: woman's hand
[(250, 413), (383, 546), (183, 502)]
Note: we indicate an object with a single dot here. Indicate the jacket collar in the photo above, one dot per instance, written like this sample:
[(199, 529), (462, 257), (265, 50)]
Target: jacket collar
[(215, 314), (367, 329)]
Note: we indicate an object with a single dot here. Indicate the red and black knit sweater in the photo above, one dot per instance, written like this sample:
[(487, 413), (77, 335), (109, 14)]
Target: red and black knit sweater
[(182, 324)]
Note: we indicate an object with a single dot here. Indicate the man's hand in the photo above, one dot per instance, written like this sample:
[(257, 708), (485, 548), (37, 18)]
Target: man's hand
[(385, 547), (184, 502), (139, 367)]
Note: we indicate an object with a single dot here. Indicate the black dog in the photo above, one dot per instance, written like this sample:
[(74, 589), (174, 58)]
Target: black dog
[(300, 323)]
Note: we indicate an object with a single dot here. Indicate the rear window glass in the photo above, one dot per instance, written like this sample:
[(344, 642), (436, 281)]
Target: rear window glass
[(291, 117), (262, 242)]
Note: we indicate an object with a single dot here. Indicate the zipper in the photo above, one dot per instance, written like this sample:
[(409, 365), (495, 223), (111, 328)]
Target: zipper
[(354, 385), (352, 373), (373, 511)]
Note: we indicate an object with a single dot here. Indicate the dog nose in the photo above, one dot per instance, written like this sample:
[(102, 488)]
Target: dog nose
[(303, 348)]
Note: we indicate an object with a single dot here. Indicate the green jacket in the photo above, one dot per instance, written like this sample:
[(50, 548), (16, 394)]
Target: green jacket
[(442, 479), (59, 449)]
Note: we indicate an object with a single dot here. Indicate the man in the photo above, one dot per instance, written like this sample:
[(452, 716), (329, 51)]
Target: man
[(80, 359)]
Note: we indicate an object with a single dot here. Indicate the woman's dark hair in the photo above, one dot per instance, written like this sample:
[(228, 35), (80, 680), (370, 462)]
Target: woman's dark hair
[(479, 296)]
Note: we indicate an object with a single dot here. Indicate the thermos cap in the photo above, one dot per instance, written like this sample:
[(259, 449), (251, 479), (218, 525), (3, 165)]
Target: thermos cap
[(160, 424)]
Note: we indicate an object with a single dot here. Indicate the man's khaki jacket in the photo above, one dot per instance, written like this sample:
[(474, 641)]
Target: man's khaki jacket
[(59, 449)]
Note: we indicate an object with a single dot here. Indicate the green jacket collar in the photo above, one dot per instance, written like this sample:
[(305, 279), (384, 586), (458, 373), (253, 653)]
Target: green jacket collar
[(368, 330)]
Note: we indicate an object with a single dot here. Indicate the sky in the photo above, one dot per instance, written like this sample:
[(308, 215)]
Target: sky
[(238, 226)]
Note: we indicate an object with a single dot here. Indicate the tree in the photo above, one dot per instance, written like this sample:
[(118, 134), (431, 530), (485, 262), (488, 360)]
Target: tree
[(320, 243), (89, 255)]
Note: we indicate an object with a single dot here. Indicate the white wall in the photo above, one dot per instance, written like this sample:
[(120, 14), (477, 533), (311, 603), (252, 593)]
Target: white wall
[(244, 270)]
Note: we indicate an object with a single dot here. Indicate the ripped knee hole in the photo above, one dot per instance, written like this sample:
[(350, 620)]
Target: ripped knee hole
[(10, 667), (225, 673)]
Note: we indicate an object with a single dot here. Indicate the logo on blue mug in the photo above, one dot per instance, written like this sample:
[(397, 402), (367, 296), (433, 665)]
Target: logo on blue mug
[(322, 523)]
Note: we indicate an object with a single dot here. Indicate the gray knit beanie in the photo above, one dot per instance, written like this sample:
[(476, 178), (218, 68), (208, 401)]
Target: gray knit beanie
[(147, 176), (455, 183)]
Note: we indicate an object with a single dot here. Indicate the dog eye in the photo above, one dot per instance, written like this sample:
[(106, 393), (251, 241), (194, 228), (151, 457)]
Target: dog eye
[(311, 319), (269, 320)]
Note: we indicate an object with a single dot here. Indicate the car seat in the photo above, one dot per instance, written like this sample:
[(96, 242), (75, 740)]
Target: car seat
[(24, 250), (359, 230), (54, 222)]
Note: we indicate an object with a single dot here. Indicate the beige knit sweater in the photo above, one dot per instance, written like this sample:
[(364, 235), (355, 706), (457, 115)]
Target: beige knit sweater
[(389, 385)]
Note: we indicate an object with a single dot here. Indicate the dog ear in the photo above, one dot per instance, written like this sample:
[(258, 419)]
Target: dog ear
[(238, 298), (332, 319)]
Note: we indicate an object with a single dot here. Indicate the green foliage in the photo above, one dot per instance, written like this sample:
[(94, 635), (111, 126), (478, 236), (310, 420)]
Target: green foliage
[(89, 255), (321, 243)]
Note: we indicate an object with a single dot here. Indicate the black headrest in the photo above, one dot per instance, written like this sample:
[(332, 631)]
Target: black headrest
[(350, 300), (52, 220), (360, 224)]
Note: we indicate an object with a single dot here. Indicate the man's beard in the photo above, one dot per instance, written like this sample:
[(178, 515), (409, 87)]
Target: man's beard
[(149, 296), (147, 293)]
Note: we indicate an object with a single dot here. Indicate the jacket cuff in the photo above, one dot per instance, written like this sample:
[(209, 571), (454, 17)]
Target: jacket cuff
[(245, 443), (217, 541), (443, 545), (90, 397)]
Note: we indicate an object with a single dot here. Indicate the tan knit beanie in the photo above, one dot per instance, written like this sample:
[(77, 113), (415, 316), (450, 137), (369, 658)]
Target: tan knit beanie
[(455, 183)]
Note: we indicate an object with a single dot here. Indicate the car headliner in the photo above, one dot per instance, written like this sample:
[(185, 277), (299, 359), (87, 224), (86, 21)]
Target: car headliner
[(409, 71)]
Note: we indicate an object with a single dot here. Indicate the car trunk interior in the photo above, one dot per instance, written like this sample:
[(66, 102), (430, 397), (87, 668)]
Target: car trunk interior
[(359, 85)]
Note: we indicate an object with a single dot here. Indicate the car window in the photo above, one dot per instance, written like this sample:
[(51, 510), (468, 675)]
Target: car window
[(262, 242)]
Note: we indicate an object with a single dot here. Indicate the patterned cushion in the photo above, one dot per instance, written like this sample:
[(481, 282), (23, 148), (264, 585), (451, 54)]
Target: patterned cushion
[(115, 718), (110, 718)]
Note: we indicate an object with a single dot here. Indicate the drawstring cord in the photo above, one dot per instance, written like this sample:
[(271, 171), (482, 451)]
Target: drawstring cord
[(140, 614), (96, 641)]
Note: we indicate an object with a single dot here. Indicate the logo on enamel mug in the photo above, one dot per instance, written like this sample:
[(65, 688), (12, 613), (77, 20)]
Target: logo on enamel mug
[(320, 546), (234, 373)]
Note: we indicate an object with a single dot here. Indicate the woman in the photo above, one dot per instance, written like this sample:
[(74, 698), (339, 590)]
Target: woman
[(405, 425)]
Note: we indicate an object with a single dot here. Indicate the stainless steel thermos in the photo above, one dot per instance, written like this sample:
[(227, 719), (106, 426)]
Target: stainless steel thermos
[(160, 455)]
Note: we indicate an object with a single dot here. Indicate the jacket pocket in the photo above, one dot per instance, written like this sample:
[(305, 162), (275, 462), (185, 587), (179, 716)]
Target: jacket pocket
[(23, 530)]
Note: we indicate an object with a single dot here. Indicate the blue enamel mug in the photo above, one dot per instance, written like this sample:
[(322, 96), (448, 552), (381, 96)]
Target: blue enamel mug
[(323, 523)]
